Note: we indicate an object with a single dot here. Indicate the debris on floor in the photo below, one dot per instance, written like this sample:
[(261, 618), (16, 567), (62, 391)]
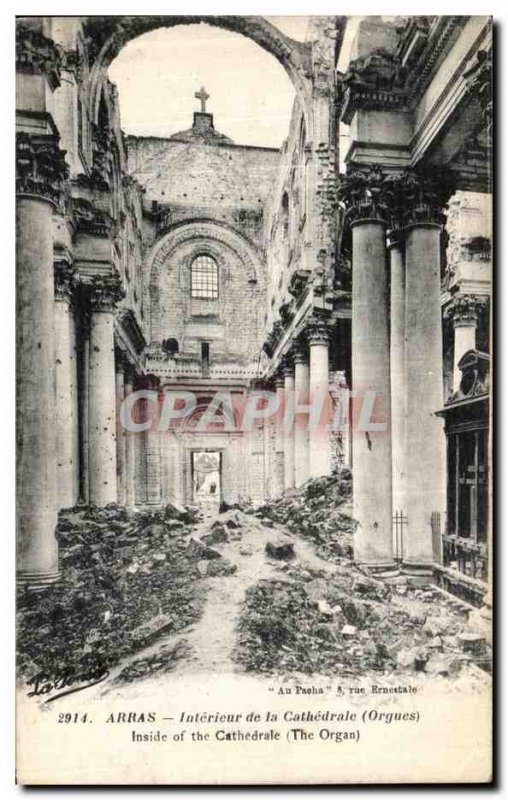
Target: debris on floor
[(320, 511), (280, 551), (164, 660), (128, 578), (346, 623)]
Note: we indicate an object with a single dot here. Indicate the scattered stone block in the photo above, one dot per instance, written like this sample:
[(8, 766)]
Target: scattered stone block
[(147, 633), (220, 568), (281, 551), (471, 642)]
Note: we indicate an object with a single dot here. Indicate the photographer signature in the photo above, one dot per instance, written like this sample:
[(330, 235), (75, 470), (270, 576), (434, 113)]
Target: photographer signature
[(65, 681)]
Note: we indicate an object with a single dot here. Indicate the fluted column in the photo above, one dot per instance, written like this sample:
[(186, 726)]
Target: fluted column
[(120, 432), (279, 436), (66, 389), (130, 447), (398, 370), (320, 457), (39, 174), (289, 429), (104, 294), (301, 361), (425, 457)]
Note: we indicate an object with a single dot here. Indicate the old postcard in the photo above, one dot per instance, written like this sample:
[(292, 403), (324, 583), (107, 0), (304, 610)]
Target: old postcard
[(254, 540)]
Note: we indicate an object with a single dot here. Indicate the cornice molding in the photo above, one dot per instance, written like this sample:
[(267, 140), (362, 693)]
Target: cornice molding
[(38, 55)]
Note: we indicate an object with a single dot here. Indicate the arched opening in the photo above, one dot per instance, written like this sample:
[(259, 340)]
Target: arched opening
[(204, 277), (109, 35), (188, 69)]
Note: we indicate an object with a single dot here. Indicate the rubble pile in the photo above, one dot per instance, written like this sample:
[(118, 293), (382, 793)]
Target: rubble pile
[(349, 624), (127, 579), (320, 511), (164, 660)]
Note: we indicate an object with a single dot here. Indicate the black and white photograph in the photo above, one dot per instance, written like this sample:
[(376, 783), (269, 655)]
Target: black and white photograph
[(253, 399)]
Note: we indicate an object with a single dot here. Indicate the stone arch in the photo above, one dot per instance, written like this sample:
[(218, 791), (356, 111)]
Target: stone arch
[(108, 35), (208, 236), (201, 231)]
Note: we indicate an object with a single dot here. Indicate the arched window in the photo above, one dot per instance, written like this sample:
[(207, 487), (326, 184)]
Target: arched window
[(205, 278)]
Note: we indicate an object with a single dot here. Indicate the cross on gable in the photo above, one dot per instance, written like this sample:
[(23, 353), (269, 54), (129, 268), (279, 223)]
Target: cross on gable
[(203, 96)]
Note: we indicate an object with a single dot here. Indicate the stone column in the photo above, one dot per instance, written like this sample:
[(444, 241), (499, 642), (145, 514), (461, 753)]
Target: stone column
[(319, 435), (39, 174), (464, 312), (120, 432), (289, 430), (130, 447), (84, 422), (398, 369), (67, 467), (425, 457), (372, 453), (153, 450), (279, 437), (104, 294), (301, 419)]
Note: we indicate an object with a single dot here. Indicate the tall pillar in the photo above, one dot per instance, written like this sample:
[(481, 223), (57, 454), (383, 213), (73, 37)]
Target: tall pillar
[(39, 172), (153, 451), (130, 448), (301, 419), (425, 457), (398, 371), (320, 457), (65, 385), (372, 452), (279, 436), (104, 294), (120, 432), (85, 421), (289, 431)]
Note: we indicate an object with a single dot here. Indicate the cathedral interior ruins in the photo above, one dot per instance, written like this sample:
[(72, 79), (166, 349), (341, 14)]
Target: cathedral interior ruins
[(354, 260)]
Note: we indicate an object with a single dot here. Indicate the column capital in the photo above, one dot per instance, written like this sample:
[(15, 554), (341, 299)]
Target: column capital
[(399, 198), (287, 365), (64, 282), (40, 166), (279, 380), (361, 193), (37, 55), (129, 373), (463, 310), (300, 352), (104, 292), (318, 331), (416, 198), (121, 360)]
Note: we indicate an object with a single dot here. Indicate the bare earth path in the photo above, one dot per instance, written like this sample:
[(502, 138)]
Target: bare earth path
[(212, 638)]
